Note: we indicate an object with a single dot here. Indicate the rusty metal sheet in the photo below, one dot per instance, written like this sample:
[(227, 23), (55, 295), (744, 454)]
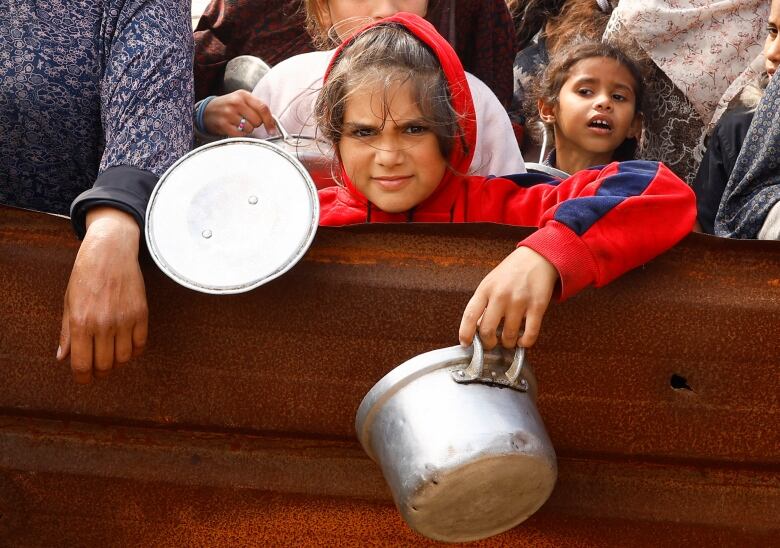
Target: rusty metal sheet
[(94, 511), (297, 355), (660, 392), (594, 488)]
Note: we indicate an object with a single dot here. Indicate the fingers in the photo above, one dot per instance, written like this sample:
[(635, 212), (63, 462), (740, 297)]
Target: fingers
[(512, 322), (259, 113), (81, 355), (533, 323), (64, 343), (123, 346), (491, 317), (237, 114), (471, 316), (104, 353), (140, 334)]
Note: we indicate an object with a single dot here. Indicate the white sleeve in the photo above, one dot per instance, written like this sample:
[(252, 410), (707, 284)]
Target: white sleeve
[(771, 228), (290, 90), (497, 151)]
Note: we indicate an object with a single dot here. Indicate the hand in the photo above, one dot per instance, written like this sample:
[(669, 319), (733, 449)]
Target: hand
[(224, 113), (104, 320), (519, 288)]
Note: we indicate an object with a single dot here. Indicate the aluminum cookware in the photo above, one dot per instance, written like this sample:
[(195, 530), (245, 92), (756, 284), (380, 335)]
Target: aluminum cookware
[(316, 155), (460, 442), (231, 215), (243, 72)]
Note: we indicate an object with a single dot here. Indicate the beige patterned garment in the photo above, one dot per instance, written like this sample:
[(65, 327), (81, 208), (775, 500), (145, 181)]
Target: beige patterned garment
[(704, 55)]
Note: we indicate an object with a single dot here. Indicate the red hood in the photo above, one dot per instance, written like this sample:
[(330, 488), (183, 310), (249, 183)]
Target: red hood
[(441, 201)]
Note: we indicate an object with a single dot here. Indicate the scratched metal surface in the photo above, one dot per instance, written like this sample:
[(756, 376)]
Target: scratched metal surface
[(291, 361)]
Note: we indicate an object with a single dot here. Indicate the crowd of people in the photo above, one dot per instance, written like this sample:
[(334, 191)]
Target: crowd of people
[(656, 117)]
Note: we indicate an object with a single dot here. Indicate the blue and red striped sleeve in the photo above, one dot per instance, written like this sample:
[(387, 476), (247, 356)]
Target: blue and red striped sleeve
[(600, 222)]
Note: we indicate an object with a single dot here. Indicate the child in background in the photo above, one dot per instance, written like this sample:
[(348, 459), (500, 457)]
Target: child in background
[(289, 90), (397, 107), (589, 99)]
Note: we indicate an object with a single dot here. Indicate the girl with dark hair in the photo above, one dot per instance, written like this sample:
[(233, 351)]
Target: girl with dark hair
[(288, 91), (589, 98), (397, 108)]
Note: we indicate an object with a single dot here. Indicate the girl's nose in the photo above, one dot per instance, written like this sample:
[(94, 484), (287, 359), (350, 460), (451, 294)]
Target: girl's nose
[(772, 50), (385, 8), (603, 102), (388, 153)]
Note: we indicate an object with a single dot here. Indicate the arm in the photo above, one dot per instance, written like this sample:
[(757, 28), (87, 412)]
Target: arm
[(146, 98), (104, 318), (593, 227)]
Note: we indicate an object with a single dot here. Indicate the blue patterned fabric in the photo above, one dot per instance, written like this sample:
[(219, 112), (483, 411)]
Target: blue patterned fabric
[(753, 187), (89, 85)]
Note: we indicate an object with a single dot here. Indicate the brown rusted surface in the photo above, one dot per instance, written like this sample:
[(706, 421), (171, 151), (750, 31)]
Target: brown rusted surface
[(93, 511), (596, 488), (288, 364)]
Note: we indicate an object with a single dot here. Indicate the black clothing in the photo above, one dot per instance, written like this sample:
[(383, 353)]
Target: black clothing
[(718, 163)]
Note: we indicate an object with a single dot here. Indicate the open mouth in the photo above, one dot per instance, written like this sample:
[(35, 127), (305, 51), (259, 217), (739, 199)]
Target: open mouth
[(600, 124)]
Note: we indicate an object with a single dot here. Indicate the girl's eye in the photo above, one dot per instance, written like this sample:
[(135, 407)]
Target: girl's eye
[(618, 97), (363, 132), (584, 92), (415, 130), (771, 30)]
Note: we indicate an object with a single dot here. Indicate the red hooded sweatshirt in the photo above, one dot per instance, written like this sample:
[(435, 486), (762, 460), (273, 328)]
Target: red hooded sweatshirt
[(593, 226)]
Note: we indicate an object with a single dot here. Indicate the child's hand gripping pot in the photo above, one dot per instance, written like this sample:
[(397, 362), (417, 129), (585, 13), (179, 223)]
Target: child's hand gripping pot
[(517, 291), (397, 107)]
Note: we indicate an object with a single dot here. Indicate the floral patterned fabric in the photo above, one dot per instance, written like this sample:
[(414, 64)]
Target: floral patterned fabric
[(753, 188), (702, 46), (704, 53), (89, 85)]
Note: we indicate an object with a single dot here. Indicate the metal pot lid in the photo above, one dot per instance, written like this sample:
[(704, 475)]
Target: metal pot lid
[(231, 215)]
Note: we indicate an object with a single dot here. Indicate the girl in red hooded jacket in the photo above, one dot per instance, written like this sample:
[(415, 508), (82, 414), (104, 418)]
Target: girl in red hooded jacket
[(397, 107)]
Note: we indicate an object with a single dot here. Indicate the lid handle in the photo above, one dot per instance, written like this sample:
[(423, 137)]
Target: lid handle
[(281, 129), (475, 371)]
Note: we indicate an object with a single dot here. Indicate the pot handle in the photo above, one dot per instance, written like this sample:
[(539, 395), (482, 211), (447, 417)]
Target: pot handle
[(281, 129), (474, 372)]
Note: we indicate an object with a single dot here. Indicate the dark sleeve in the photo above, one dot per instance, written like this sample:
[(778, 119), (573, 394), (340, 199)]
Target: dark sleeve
[(146, 102), (718, 163), (709, 183), (122, 187)]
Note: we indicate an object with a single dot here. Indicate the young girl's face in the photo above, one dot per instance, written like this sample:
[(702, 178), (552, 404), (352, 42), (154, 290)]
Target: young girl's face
[(772, 43), (387, 149), (347, 16), (596, 108)]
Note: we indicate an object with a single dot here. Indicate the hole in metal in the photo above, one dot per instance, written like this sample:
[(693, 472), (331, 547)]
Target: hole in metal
[(678, 382)]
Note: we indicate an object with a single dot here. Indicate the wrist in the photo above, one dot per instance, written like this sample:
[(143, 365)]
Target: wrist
[(110, 223)]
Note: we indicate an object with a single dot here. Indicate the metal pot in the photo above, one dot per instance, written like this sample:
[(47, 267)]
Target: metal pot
[(231, 215), (460, 442), (316, 155), (243, 72)]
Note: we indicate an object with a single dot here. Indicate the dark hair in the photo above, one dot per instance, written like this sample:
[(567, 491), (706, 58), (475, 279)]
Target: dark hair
[(548, 85), (531, 16), (389, 54), (578, 20)]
